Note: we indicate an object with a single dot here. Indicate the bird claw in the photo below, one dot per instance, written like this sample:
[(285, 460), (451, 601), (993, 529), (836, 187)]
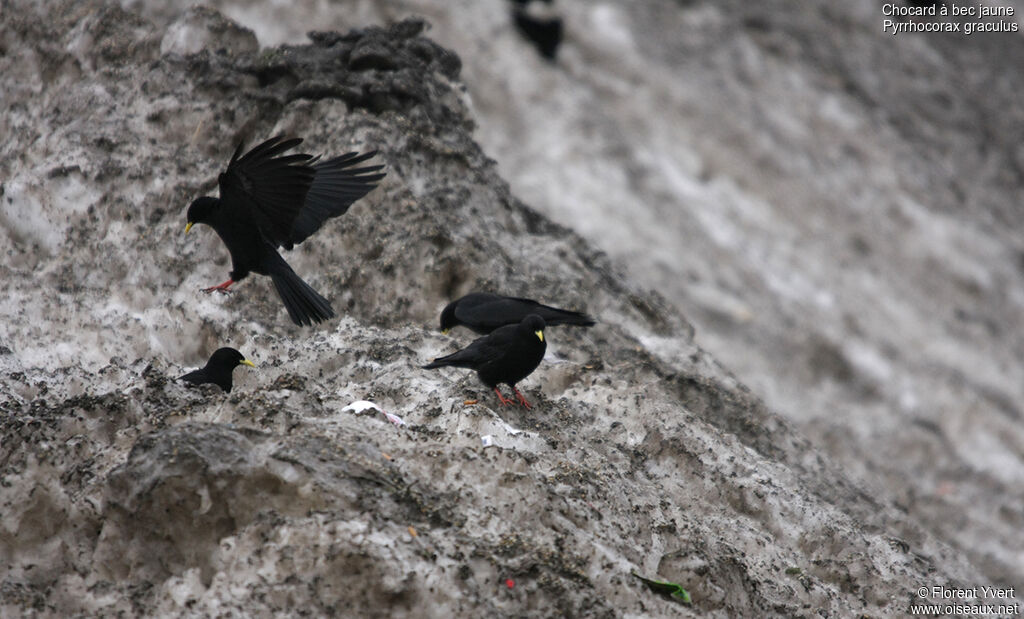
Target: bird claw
[(217, 289), (521, 398), (504, 401), (222, 288)]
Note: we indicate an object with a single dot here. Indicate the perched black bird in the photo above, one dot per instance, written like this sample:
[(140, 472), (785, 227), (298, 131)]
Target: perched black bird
[(484, 312), (218, 369), (270, 200), (508, 355)]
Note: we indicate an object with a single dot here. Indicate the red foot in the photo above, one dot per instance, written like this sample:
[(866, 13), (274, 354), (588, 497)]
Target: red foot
[(502, 399), (521, 398), (220, 287)]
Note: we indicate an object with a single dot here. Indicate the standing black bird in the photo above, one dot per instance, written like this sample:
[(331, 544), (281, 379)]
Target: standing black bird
[(484, 312), (269, 200), (508, 355), (218, 369)]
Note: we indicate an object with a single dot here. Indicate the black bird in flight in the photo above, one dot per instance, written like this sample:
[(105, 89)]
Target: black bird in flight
[(484, 312), (508, 355), (218, 369), (270, 200)]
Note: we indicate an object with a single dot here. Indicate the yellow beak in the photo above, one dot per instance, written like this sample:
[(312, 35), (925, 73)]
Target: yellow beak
[(445, 331), (248, 363), (188, 227), (540, 335)]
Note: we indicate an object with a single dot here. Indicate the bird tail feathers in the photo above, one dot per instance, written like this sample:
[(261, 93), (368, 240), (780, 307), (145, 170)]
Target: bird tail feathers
[(305, 306), (569, 317)]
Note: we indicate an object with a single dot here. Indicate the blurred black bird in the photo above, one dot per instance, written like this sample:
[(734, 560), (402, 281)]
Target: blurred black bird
[(538, 23), (270, 200), (484, 312), (218, 369), (508, 355)]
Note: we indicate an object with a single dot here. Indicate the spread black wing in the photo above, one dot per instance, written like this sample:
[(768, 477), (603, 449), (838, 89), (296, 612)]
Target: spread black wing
[(268, 187), (336, 186)]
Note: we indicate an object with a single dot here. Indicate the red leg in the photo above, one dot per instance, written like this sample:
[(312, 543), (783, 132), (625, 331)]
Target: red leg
[(522, 398), (220, 287), (502, 399)]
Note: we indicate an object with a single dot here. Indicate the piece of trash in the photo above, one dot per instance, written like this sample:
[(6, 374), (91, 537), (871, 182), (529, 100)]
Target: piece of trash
[(666, 588), (510, 583), (395, 419), (386, 456), (487, 440), (360, 406), (412, 531), (510, 429), (470, 402)]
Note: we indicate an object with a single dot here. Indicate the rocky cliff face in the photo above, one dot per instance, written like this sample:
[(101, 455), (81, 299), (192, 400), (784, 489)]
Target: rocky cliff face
[(124, 491)]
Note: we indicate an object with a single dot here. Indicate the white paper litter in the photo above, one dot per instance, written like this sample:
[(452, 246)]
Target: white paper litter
[(395, 419), (510, 429), (359, 406), (362, 405)]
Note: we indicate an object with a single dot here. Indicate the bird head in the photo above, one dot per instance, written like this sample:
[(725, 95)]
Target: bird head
[(535, 324), (448, 319), (230, 357), (199, 211)]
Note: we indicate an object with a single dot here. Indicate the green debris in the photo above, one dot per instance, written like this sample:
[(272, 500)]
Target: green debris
[(668, 589), (793, 571)]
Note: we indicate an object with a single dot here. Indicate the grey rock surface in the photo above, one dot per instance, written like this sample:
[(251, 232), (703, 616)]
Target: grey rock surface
[(126, 492), (836, 209)]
